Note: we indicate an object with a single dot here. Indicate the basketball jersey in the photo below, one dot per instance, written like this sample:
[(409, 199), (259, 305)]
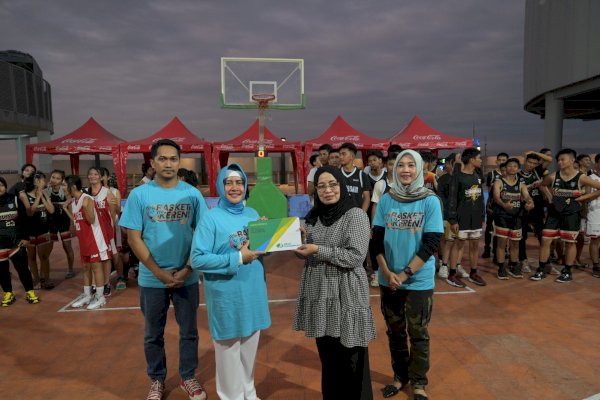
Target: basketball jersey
[(59, 217), (532, 181), (9, 215), (91, 237), (356, 183), (509, 194), (106, 222), (39, 221), (492, 177), (593, 215), (564, 194)]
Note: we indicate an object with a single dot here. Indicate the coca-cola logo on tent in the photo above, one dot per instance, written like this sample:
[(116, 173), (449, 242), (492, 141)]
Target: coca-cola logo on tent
[(40, 148), (80, 141), (427, 137), (349, 138), (134, 147)]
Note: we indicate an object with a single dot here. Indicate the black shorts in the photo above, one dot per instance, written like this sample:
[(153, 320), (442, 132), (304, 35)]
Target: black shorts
[(507, 226), (563, 226)]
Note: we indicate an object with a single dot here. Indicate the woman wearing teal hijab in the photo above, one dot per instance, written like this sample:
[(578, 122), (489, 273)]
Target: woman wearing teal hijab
[(234, 285), (407, 229)]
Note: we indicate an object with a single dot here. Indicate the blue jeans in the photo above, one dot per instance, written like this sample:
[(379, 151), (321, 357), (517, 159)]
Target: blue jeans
[(155, 305)]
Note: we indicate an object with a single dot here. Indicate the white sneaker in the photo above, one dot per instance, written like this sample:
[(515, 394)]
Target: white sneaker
[(83, 300), (375, 280), (97, 303), (461, 271), (443, 272), (525, 267)]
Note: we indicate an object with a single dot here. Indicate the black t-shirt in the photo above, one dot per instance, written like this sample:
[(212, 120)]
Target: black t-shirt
[(16, 188), (444, 191), (465, 202), (13, 221), (357, 182)]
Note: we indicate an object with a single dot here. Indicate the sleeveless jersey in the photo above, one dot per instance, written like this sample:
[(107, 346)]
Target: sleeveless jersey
[(532, 181), (91, 238), (106, 222), (492, 177), (59, 221), (509, 194), (356, 183), (564, 194), (593, 206), (9, 232), (40, 220)]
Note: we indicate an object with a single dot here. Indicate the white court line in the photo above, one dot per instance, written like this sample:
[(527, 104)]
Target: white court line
[(67, 308), (593, 397)]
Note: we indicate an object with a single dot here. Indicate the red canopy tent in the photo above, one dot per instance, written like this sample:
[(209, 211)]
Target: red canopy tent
[(340, 132), (177, 132), (418, 135), (89, 138), (247, 142)]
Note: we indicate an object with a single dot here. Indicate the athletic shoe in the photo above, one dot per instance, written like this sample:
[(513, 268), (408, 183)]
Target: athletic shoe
[(502, 275), (193, 389), (515, 271), (564, 277), (443, 272), (596, 272), (375, 280), (69, 275), (120, 284), (96, 303), (554, 271), (538, 276), (461, 271), (84, 300), (107, 290), (93, 290), (486, 254), (455, 280), (476, 279), (525, 267), (31, 297), (8, 299), (157, 389)]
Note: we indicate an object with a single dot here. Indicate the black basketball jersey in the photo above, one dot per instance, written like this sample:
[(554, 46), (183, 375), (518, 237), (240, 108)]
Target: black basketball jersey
[(509, 194), (564, 194)]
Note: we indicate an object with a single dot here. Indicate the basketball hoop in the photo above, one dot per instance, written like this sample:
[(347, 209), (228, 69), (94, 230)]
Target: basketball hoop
[(263, 100)]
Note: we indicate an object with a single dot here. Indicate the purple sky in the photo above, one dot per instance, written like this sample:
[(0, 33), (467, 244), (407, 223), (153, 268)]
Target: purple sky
[(134, 65)]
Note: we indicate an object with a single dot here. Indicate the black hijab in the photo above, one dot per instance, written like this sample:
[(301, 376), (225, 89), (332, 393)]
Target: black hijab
[(330, 213)]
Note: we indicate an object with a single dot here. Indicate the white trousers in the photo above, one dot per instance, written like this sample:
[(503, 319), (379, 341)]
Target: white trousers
[(235, 359)]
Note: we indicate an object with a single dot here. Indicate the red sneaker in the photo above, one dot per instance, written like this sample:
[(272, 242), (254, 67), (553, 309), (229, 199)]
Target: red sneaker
[(193, 389)]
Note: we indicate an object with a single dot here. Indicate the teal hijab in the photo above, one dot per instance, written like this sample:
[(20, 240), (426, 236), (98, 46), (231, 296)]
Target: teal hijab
[(223, 202)]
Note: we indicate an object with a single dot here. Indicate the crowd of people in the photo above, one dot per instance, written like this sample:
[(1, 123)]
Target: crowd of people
[(393, 225)]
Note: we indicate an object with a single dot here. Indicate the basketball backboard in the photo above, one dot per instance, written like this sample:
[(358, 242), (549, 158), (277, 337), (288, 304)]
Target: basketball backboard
[(242, 78)]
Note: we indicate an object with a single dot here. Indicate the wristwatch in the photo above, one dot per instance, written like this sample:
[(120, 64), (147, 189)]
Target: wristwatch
[(409, 272)]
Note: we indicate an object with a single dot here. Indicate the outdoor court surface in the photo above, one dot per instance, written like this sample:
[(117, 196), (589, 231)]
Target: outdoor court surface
[(514, 339)]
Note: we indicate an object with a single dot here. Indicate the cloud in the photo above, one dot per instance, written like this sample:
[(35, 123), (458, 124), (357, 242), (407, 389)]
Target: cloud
[(133, 65)]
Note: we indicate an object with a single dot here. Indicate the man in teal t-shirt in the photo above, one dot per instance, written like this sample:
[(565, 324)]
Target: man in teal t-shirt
[(160, 218)]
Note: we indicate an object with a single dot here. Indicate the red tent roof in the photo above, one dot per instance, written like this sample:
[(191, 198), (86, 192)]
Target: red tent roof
[(340, 132), (177, 132), (90, 137), (248, 142), (418, 135), (174, 130)]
